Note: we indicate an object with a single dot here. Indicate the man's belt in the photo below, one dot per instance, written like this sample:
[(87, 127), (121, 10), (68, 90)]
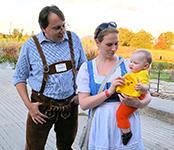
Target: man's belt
[(52, 107)]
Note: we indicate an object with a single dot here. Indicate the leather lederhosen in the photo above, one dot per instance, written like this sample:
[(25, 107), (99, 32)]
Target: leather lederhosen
[(51, 105)]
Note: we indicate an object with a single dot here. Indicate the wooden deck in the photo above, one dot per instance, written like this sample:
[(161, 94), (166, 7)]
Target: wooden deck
[(157, 134), (13, 115)]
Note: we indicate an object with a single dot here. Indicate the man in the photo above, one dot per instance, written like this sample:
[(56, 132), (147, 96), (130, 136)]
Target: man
[(47, 60)]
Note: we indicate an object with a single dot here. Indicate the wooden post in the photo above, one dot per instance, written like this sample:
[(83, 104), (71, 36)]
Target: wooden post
[(170, 75), (158, 82), (158, 78)]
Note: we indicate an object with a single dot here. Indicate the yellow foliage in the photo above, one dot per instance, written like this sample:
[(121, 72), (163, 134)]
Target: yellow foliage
[(90, 49), (167, 55)]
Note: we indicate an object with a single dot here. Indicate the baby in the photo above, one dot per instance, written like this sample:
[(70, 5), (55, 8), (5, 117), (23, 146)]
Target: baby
[(140, 61)]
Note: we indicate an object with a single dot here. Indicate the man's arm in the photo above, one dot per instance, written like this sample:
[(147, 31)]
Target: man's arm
[(33, 108), (22, 90)]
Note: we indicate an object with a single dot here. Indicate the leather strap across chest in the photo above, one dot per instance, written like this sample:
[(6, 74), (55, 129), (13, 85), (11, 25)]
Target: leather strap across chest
[(48, 70)]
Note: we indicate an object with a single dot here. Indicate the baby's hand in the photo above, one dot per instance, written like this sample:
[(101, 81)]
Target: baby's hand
[(138, 86)]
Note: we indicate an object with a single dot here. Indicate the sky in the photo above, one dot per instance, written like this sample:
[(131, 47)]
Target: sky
[(83, 16)]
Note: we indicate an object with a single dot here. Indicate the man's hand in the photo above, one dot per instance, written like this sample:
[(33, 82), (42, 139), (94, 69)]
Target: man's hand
[(36, 115), (75, 99)]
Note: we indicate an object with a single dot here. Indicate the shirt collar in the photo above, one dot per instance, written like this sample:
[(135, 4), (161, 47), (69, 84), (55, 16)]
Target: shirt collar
[(42, 37)]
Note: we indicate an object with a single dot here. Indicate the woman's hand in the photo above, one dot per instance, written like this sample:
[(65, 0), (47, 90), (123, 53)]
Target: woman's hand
[(128, 100), (135, 101), (115, 82)]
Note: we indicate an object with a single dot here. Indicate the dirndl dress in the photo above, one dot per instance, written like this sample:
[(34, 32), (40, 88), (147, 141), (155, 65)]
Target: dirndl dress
[(104, 134)]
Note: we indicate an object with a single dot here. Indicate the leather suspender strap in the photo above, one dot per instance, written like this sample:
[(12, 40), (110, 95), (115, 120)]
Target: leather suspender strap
[(45, 66), (72, 58), (52, 68)]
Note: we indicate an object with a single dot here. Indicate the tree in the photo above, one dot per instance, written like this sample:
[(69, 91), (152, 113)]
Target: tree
[(20, 34), (15, 32), (142, 39), (160, 43), (32, 33), (168, 38), (125, 36)]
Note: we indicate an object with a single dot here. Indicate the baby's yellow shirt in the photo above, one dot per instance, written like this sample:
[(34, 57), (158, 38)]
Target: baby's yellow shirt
[(131, 81), (143, 76)]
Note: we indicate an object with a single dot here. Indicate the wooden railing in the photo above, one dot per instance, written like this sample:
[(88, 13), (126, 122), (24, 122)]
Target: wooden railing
[(158, 75)]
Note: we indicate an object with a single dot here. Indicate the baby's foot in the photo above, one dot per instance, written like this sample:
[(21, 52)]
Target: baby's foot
[(126, 137)]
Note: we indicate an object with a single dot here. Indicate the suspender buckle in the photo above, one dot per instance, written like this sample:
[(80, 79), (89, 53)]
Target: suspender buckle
[(46, 69), (73, 62)]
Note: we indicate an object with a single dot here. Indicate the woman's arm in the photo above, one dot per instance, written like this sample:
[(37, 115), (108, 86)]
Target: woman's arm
[(134, 101), (87, 101)]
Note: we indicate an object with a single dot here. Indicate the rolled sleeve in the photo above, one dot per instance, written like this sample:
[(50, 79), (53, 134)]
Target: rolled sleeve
[(83, 79), (22, 68)]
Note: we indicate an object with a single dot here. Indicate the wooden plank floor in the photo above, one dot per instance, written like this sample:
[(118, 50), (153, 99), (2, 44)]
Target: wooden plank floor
[(157, 134), (13, 115)]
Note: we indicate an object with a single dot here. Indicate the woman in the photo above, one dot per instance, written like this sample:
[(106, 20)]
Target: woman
[(104, 134)]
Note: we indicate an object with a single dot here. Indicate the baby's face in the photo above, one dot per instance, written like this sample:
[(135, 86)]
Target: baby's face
[(137, 62)]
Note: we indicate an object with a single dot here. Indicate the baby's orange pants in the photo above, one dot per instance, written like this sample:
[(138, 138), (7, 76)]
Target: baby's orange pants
[(123, 112)]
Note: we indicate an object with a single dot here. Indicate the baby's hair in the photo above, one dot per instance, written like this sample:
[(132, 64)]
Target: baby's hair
[(147, 54)]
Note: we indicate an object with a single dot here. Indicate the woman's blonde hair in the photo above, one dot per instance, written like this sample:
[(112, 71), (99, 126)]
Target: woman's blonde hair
[(104, 32)]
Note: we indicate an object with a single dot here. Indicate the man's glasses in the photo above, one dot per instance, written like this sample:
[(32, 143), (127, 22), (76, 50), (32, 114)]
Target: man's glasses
[(104, 26), (57, 28)]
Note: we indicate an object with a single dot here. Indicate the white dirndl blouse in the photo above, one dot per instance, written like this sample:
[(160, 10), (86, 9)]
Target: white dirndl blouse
[(104, 134)]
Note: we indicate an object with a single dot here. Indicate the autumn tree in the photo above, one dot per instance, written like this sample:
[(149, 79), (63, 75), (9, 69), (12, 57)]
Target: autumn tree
[(16, 32), (125, 36), (160, 43), (89, 47), (21, 34), (168, 38), (142, 39), (32, 33)]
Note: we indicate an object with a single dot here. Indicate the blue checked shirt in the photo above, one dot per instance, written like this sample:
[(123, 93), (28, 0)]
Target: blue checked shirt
[(30, 66)]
